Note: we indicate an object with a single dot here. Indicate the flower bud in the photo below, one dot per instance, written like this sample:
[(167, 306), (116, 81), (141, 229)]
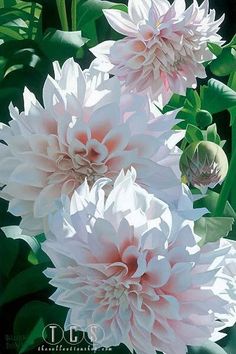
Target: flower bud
[(204, 164), (203, 118)]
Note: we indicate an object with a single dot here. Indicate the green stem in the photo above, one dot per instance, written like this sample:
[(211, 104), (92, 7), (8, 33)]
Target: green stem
[(74, 14), (61, 7), (228, 184)]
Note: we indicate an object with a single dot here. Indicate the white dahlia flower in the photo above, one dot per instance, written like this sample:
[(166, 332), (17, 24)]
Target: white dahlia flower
[(131, 267), (85, 128), (164, 47)]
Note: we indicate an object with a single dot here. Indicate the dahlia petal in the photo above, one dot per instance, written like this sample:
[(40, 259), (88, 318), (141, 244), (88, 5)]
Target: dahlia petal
[(107, 237), (121, 160), (5, 131), (78, 130), (145, 318), (8, 166), (36, 178), (145, 147), (72, 79), (103, 50), (44, 201), (191, 334), (103, 120), (26, 225), (158, 272), (120, 22), (68, 187), (130, 253), (39, 161), (125, 235), (96, 152), (154, 239), (29, 100), (53, 98), (168, 307), (141, 265), (162, 6), (20, 191), (138, 10), (18, 207), (176, 283), (117, 139), (203, 278), (4, 151), (39, 144)]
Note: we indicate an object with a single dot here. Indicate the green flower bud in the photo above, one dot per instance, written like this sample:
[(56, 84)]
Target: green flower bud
[(204, 164), (203, 118)]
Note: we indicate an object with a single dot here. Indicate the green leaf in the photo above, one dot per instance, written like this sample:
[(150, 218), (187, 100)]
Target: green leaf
[(34, 335), (229, 342), (203, 118), (176, 101), (60, 45), (9, 33), (20, 21), (211, 229), (232, 84), (28, 281), (231, 43), (31, 320), (217, 97), (193, 134), (207, 348), (90, 32), (7, 3), (225, 64), (22, 54), (32, 16), (32, 258), (232, 112), (193, 100), (191, 104), (212, 134), (15, 232), (9, 250), (91, 10), (210, 201), (215, 49)]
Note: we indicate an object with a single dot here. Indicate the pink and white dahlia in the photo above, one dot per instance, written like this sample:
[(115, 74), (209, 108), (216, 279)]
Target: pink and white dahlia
[(164, 47), (128, 265), (86, 128)]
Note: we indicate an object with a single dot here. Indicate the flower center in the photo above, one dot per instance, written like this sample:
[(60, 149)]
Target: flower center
[(79, 168)]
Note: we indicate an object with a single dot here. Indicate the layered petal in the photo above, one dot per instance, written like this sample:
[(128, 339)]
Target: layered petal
[(133, 267), (87, 128), (164, 48)]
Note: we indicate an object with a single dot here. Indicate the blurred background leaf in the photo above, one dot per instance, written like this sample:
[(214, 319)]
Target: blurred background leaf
[(60, 45), (20, 20)]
